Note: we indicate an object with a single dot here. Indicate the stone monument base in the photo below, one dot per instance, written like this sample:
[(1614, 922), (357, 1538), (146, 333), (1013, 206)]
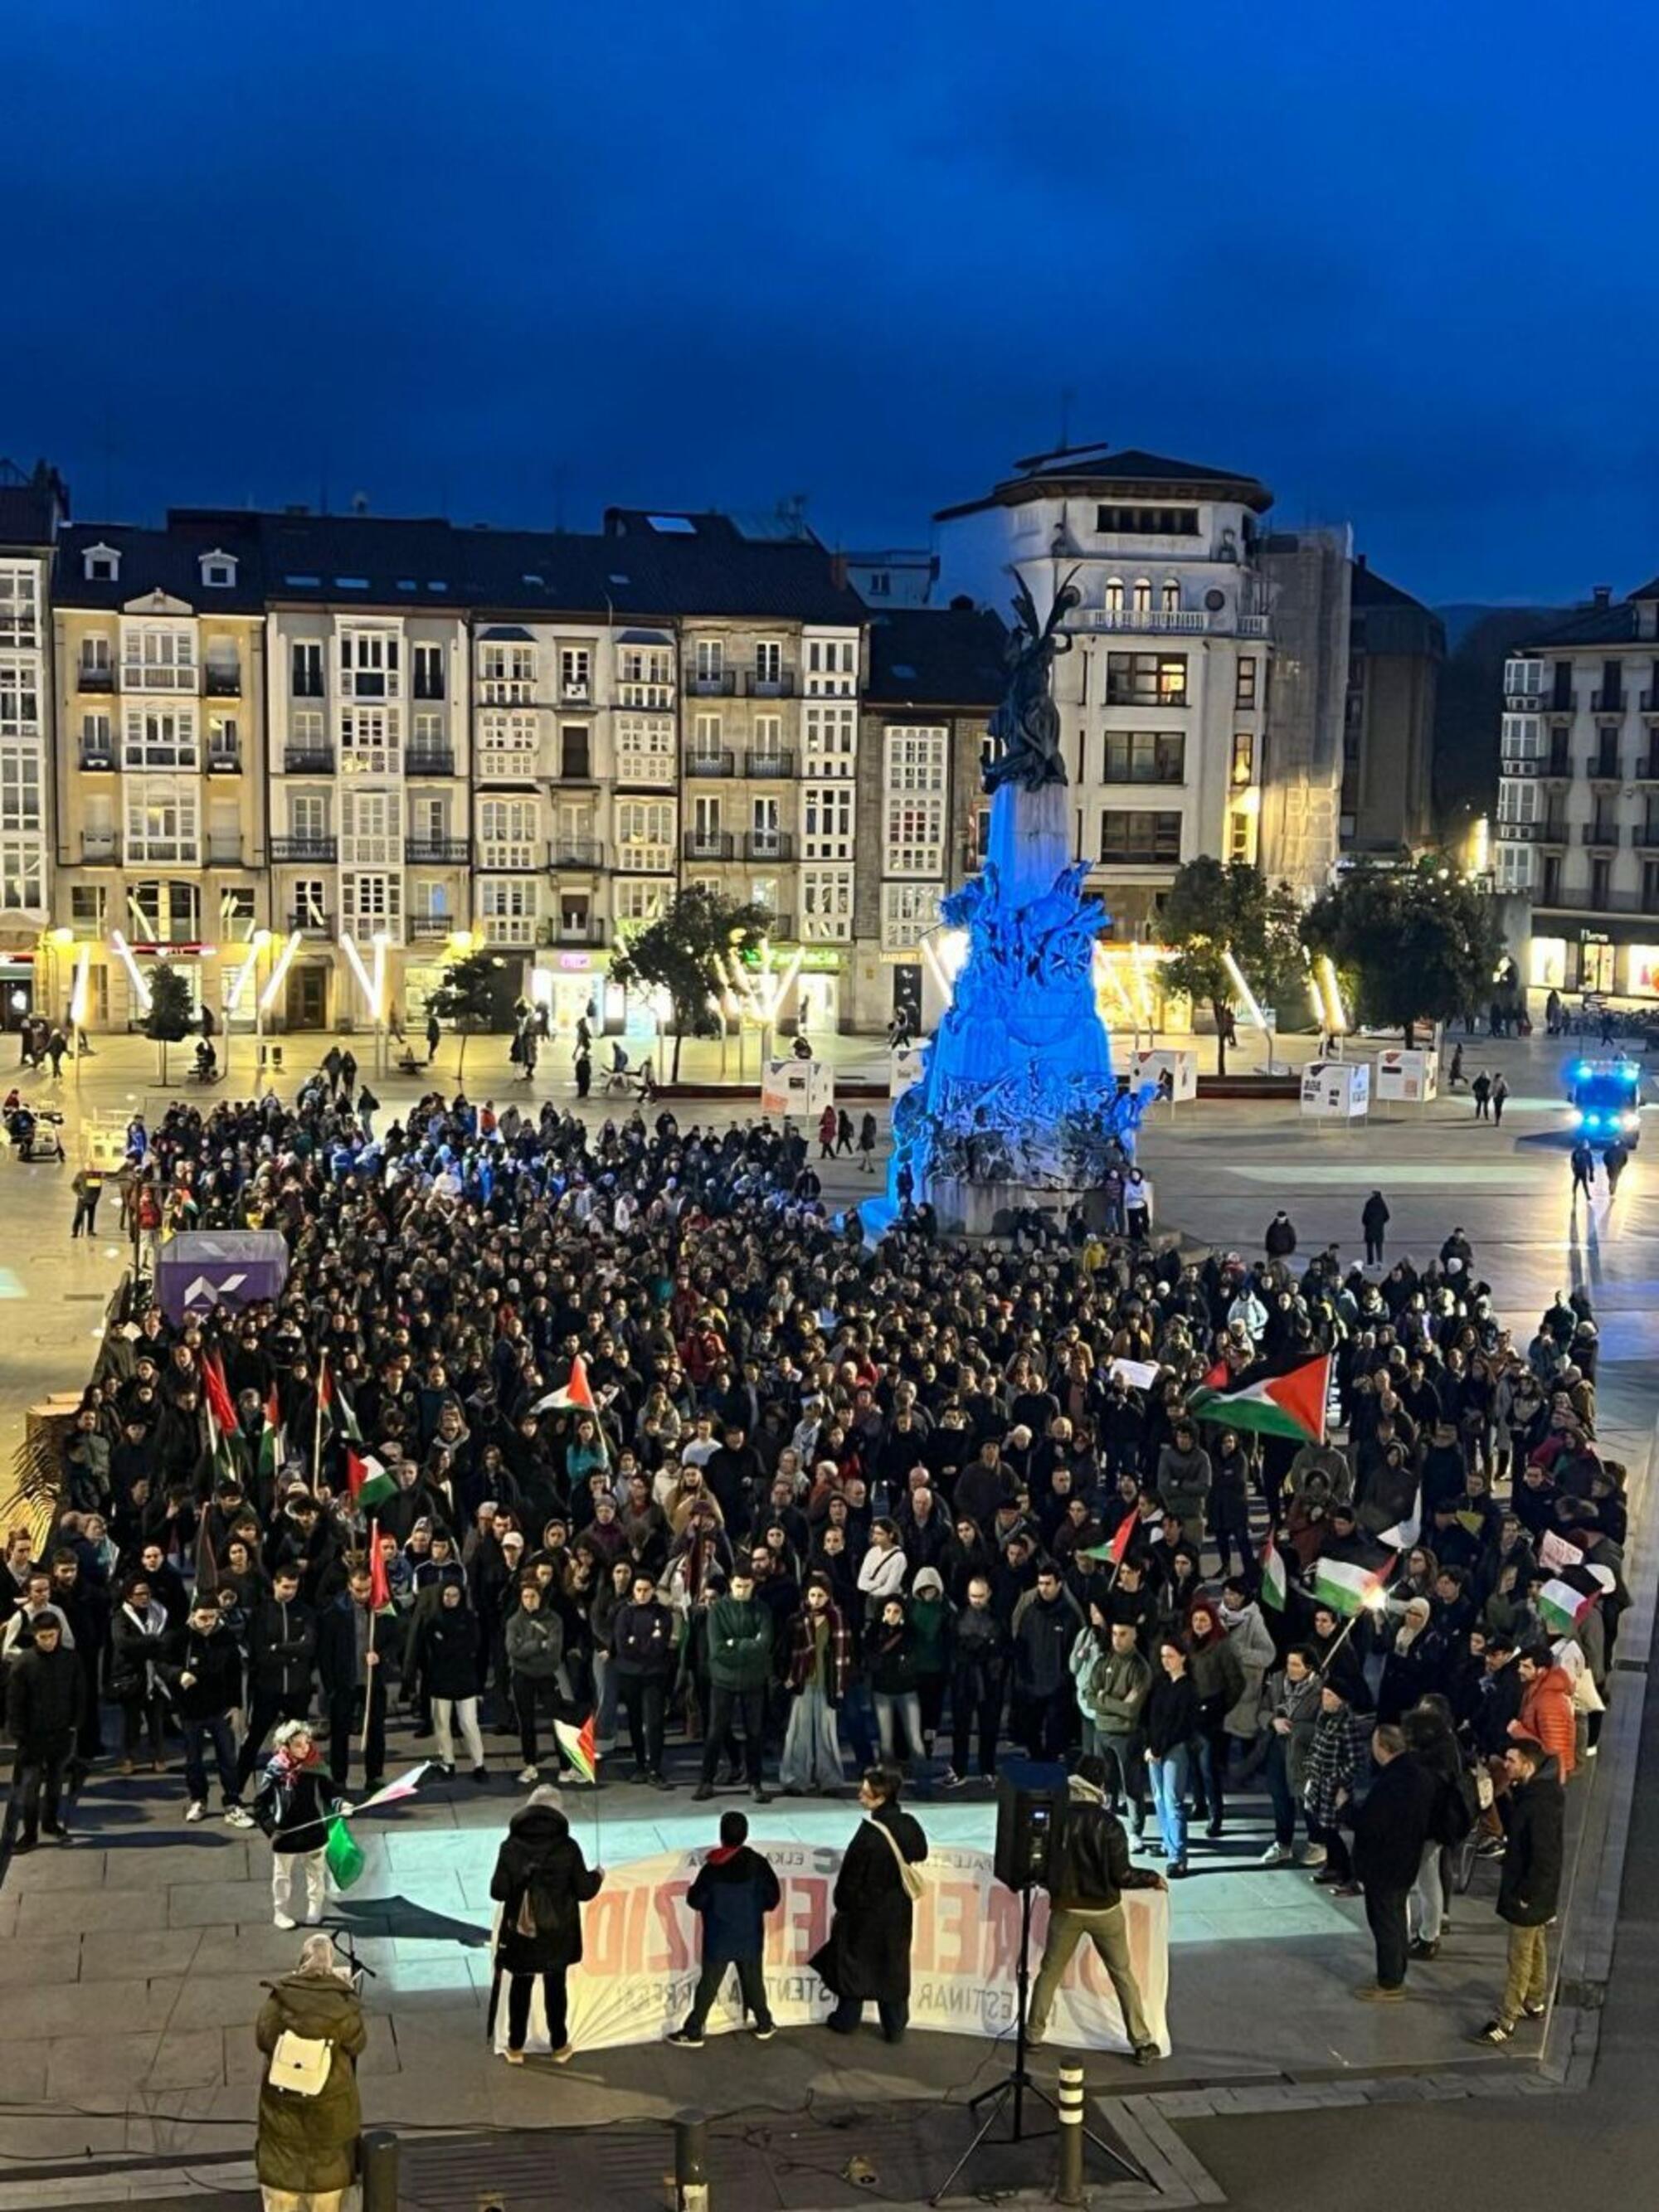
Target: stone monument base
[(987, 1209)]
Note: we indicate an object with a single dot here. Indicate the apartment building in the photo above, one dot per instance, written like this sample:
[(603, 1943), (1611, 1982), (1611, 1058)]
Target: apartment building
[(1163, 693), (32, 506), (936, 675), (369, 705), (159, 823), (1395, 648), (1577, 830)]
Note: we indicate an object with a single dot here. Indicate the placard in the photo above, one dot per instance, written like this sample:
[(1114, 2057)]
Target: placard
[(1413, 1078), (1336, 1090), (796, 1086), (1174, 1068)]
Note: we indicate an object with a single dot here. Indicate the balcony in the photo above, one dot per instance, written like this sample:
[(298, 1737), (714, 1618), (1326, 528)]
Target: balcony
[(754, 686), (708, 845), (157, 675), (1168, 621), (707, 764), (224, 852), (224, 760), (768, 845), (435, 851), (91, 676), (1604, 701), (1646, 769), (711, 683), (430, 928), (1554, 830), (1558, 768), (591, 930), (769, 766), (430, 760), (1602, 834), (1645, 836), (312, 924), (1605, 768), (1563, 702), (98, 847), (307, 760), (98, 753), (575, 852), (576, 767), (288, 850), (223, 683), (1650, 702)]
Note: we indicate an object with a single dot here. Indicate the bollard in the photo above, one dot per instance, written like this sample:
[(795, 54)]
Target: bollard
[(379, 2165), (691, 2161), (1069, 2188)]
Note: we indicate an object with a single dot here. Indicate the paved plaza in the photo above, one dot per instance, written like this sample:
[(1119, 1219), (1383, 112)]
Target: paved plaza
[(132, 1964)]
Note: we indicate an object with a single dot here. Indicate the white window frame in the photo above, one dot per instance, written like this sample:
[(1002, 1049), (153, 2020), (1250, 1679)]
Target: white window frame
[(20, 695), (20, 606), (371, 829), (161, 738), (645, 749), (831, 741), (371, 741), (826, 906), (174, 839), (908, 911), (158, 656), (829, 821), (509, 833)]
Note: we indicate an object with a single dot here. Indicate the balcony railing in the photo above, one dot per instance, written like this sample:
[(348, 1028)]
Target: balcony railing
[(290, 849), (89, 677), (1604, 701), (708, 845), (1646, 769), (575, 852), (768, 845), (1599, 833), (1650, 702), (576, 767), (1168, 621), (430, 760), (710, 763), (755, 686), (711, 683), (312, 924), (224, 760), (98, 845), (436, 852), (1562, 702), (590, 931), (1645, 836), (223, 683), (98, 754), (430, 928), (1606, 768), (769, 766), (1559, 765), (307, 760), (575, 694)]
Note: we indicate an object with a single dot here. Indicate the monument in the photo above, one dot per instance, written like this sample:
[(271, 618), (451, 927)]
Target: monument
[(1018, 1107)]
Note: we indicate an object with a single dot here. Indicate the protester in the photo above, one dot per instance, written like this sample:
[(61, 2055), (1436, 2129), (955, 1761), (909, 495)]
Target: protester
[(310, 2114), (734, 1891), (293, 1805), (541, 1883), (1391, 1829), (44, 1693), (867, 1959)]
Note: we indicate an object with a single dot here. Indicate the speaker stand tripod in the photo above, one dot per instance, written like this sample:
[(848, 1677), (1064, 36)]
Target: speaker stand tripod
[(1017, 2084)]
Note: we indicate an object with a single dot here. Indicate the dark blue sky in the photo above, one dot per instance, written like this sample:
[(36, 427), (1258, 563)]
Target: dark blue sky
[(501, 257)]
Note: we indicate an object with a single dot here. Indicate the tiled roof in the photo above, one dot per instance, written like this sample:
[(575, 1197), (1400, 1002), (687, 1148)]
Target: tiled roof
[(937, 657), (1100, 469), (1597, 625), (159, 560)]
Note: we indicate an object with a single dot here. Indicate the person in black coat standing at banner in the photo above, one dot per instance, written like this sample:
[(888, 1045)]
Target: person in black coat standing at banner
[(868, 1957), (541, 1883)]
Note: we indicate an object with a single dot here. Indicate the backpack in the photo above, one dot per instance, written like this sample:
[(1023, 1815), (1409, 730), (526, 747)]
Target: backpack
[(1452, 1817)]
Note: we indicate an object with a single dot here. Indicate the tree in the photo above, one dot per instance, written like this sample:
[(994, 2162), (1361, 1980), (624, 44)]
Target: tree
[(1417, 945), (1214, 909), (169, 1019), (678, 951), (466, 997)]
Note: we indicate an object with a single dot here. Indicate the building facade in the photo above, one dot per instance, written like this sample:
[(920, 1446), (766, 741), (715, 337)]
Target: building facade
[(33, 507), (159, 823), (1576, 831), (1395, 648), (1165, 692)]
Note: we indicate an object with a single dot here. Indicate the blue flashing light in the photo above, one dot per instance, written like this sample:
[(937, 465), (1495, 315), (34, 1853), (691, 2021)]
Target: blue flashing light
[(1576, 1118), (1581, 1073)]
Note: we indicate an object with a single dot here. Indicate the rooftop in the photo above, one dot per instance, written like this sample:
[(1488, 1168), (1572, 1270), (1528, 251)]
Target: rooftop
[(937, 657), (1098, 469)]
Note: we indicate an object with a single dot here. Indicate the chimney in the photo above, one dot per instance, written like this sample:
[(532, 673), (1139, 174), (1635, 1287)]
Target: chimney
[(1602, 595), (1360, 560)]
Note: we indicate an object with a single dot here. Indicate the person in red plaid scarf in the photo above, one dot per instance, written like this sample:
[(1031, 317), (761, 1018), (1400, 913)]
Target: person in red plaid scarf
[(820, 1668)]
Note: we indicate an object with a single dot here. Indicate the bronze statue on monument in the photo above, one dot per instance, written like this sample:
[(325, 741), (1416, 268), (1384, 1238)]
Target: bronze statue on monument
[(1026, 724)]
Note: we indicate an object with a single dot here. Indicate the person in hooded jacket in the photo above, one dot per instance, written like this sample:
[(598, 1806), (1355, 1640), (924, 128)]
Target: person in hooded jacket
[(1217, 1678), (449, 1654), (866, 1958), (734, 1890), (306, 2147), (534, 1658), (541, 1883)]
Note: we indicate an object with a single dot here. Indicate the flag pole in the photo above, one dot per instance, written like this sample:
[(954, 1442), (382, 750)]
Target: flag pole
[(1365, 1607), (374, 1616), (317, 1425)]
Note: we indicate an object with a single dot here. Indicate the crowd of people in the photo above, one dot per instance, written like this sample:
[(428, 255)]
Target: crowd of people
[(651, 1436)]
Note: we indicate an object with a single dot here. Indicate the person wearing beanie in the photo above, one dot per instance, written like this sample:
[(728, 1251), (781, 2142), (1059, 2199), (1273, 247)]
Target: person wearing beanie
[(1086, 1886)]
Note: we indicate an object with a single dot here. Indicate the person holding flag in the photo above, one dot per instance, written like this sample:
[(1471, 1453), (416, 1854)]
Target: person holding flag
[(358, 1648), (293, 1805), (541, 1883)]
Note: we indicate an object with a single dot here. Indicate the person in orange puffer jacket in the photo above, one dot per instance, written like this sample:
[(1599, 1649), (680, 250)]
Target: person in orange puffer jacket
[(1545, 1714)]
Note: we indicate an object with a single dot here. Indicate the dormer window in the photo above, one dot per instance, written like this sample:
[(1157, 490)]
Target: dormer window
[(219, 570), (102, 564)]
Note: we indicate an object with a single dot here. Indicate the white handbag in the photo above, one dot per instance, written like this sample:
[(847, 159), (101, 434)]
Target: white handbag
[(300, 2063)]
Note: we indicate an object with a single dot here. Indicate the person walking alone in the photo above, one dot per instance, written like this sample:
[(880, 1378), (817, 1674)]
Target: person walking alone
[(867, 1144), (1374, 1219), (1086, 1893), (88, 1188), (1583, 1171), (44, 1693), (1615, 1159), (541, 1883), (1500, 1091)]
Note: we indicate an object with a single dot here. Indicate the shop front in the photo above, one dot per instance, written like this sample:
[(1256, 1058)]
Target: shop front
[(573, 985), (822, 989)]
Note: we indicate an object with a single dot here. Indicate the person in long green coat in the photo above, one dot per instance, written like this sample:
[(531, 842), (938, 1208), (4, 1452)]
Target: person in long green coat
[(307, 2145)]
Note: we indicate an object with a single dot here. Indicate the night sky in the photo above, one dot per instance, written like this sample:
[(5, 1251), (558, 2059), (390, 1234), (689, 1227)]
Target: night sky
[(518, 259)]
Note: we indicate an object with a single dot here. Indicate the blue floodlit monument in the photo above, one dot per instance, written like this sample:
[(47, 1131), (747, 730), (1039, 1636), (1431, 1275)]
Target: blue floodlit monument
[(1018, 1106)]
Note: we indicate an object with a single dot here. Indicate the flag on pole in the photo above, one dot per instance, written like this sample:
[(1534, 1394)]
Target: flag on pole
[(367, 1480), (272, 1443), (379, 1588), (336, 1406), (580, 1747), (207, 1567), (1346, 1589), (1289, 1405), (1560, 1606), (1116, 1548), (221, 1420), (576, 1393), (1274, 1582), (345, 1856), (1404, 1534), (395, 1791)]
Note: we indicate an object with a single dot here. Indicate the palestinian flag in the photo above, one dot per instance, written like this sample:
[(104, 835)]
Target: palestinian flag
[(1560, 1606), (379, 1589), (367, 1480), (1291, 1404), (221, 1420), (1346, 1589), (272, 1444), (1404, 1534), (1117, 1549), (577, 1393), (1275, 1581), (345, 1856), (580, 1747), (336, 1406)]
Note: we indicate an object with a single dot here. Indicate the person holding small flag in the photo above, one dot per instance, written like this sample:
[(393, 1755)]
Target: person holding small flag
[(293, 1805), (358, 1641)]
